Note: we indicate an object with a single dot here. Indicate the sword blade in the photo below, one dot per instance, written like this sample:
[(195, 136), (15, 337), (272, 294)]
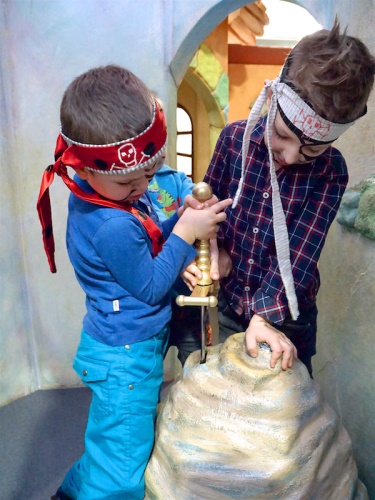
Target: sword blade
[(203, 335)]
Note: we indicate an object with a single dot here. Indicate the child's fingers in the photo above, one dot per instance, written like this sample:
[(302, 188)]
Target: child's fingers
[(285, 349), (260, 330), (192, 274), (193, 269), (214, 258), (275, 355), (189, 280), (220, 205), (214, 199), (192, 202), (251, 345)]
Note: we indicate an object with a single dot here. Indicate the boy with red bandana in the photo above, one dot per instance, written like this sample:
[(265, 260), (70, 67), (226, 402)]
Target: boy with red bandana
[(287, 181), (113, 135)]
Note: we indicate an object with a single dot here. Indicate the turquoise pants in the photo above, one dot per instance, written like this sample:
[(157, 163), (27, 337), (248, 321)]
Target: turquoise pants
[(125, 383)]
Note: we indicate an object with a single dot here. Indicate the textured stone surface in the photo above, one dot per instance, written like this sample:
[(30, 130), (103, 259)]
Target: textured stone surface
[(235, 428), (344, 365), (357, 209), (365, 221)]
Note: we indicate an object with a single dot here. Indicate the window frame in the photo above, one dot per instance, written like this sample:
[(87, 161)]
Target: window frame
[(180, 133)]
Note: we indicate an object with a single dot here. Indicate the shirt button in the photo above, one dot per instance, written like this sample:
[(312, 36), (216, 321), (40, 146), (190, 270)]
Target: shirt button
[(255, 230), (247, 288), (251, 261), (266, 195), (127, 347), (131, 387), (84, 373)]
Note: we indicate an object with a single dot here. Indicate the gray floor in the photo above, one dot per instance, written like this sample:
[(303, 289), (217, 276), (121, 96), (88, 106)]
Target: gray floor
[(41, 435)]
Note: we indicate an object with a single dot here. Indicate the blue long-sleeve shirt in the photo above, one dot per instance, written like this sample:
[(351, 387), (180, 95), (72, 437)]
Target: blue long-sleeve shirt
[(127, 290)]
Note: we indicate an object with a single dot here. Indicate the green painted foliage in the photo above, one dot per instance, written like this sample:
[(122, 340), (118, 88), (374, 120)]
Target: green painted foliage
[(357, 210)]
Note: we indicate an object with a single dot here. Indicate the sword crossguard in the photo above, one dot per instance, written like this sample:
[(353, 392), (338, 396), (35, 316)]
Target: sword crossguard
[(183, 300)]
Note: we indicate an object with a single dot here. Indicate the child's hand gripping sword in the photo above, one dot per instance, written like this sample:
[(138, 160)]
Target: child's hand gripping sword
[(203, 293)]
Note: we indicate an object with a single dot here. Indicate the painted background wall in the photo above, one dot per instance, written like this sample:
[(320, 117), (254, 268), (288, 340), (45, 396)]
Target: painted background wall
[(44, 45), (346, 321), (242, 95)]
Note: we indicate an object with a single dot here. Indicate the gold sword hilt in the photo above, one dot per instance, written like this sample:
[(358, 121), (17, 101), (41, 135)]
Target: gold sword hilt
[(203, 293), (203, 192)]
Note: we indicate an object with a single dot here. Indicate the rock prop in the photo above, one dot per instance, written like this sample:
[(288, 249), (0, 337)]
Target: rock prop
[(233, 428)]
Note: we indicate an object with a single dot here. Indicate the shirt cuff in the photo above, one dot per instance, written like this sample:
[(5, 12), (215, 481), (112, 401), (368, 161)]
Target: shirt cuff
[(269, 308)]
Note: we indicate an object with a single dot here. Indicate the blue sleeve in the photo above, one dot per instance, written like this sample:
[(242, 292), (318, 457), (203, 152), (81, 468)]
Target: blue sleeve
[(168, 191), (185, 185), (123, 245), (168, 225)]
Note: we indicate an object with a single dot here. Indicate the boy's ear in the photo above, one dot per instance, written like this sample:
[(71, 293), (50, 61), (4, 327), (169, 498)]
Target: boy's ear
[(82, 173)]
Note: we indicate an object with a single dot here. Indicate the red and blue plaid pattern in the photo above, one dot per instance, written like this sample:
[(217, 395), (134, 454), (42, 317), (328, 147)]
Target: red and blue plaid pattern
[(310, 195)]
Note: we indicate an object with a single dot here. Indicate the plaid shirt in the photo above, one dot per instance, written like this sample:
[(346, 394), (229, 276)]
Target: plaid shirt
[(310, 194)]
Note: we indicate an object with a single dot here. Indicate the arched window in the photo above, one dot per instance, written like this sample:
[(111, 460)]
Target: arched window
[(184, 142)]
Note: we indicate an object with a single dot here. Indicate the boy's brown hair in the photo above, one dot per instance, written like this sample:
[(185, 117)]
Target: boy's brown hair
[(105, 105), (334, 73)]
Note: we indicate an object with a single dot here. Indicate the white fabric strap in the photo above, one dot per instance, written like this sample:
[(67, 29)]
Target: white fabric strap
[(251, 122), (279, 222)]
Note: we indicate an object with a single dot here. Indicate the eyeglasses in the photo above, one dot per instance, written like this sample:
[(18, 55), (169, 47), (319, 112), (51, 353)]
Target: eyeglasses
[(305, 146)]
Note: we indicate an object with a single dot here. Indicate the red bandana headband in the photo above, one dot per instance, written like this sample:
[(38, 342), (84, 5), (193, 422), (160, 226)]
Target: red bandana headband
[(121, 157)]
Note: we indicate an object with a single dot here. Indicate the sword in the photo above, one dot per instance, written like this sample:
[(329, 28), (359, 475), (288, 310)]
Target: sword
[(203, 293)]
